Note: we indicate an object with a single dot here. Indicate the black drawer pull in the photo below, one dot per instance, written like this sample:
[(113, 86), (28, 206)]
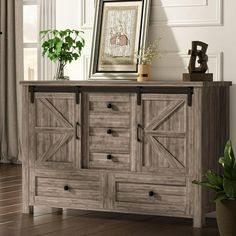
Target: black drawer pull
[(109, 131), (66, 187), (109, 157), (109, 105), (151, 194)]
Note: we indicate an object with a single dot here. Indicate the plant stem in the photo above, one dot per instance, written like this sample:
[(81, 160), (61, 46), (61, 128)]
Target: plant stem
[(60, 70)]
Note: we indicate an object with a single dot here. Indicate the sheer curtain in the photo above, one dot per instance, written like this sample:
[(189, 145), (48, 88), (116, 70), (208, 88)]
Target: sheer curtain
[(47, 16), (11, 72)]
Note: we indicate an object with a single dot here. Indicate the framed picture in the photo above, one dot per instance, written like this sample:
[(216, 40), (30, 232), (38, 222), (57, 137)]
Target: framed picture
[(120, 29)]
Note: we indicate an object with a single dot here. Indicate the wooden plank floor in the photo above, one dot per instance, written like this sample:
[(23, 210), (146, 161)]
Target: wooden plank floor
[(77, 223)]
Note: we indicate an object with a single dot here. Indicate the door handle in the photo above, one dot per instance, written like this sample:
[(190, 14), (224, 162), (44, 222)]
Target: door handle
[(139, 130), (77, 130)]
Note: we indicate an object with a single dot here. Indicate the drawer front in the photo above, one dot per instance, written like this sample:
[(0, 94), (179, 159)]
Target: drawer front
[(109, 140), (110, 103), (109, 120), (112, 161), (68, 190), (148, 194), (109, 110), (109, 106)]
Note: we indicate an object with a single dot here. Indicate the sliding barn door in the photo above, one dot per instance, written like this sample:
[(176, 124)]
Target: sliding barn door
[(54, 131), (165, 135)]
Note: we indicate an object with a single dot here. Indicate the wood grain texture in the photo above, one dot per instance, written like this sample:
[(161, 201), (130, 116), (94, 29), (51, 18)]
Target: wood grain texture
[(212, 115), (106, 112), (54, 118), (159, 146), (132, 193), (125, 83), (84, 190), (77, 222), (26, 125), (117, 161), (164, 126)]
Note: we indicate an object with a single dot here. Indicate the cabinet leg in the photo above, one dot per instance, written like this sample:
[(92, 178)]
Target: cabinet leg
[(57, 210), (199, 221), (27, 209)]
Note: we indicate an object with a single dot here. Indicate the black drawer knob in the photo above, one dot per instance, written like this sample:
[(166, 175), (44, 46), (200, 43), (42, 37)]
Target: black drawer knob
[(109, 131), (109, 157), (151, 194), (109, 105), (66, 187)]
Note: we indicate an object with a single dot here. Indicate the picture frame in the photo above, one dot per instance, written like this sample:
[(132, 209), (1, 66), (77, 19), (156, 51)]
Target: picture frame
[(120, 30)]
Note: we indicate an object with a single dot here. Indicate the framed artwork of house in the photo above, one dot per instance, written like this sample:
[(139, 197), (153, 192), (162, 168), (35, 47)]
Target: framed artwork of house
[(120, 29)]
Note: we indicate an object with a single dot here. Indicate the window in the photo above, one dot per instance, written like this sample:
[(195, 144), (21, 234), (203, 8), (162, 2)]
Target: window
[(30, 38)]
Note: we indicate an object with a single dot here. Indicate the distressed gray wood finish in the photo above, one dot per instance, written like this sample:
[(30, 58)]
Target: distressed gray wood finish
[(211, 113), (159, 146), (81, 222), (25, 152), (127, 83), (53, 119), (84, 189), (164, 123), (114, 112), (131, 193)]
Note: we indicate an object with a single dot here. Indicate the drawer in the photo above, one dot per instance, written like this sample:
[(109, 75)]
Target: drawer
[(109, 140), (68, 190), (109, 106), (111, 161), (109, 110), (110, 103), (121, 120), (148, 194)]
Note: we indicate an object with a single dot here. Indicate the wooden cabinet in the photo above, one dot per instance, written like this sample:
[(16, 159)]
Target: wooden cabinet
[(123, 146)]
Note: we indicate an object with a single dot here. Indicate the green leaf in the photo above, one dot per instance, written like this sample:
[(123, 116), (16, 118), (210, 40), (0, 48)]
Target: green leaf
[(225, 184), (64, 45), (228, 151), (230, 187), (234, 170), (62, 33), (228, 161), (207, 184), (58, 46), (214, 179), (220, 196)]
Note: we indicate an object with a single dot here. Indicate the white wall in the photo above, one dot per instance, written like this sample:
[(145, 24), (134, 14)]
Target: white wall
[(77, 14), (177, 22)]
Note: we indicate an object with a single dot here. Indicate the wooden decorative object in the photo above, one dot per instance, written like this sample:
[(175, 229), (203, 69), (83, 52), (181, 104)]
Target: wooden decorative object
[(198, 56), (198, 77), (123, 146)]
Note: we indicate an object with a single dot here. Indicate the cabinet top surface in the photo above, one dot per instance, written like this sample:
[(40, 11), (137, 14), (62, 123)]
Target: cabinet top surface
[(125, 83)]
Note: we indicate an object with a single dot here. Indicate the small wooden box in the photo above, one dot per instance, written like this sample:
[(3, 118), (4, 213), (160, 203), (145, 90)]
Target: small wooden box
[(198, 77)]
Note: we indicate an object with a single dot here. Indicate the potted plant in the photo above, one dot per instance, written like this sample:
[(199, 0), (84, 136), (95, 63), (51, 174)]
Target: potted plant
[(225, 187), (145, 56), (62, 46)]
